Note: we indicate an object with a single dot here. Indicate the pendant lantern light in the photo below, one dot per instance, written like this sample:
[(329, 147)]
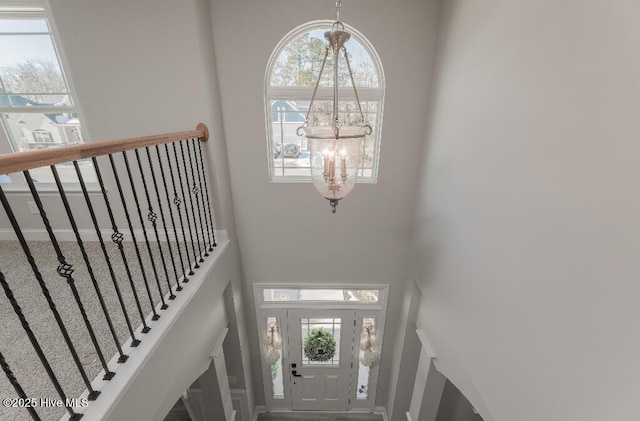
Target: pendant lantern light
[(335, 149)]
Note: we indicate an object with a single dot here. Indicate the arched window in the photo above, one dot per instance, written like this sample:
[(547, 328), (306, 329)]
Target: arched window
[(291, 75)]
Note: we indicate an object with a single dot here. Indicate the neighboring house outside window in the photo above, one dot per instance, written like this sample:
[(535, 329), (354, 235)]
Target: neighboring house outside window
[(291, 75), (42, 136), (37, 108)]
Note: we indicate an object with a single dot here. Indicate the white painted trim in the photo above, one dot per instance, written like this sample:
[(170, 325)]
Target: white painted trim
[(115, 389), (218, 345), (382, 411), (381, 304), (187, 401), (196, 398), (409, 416), (426, 344), (260, 409), (222, 377), (240, 395)]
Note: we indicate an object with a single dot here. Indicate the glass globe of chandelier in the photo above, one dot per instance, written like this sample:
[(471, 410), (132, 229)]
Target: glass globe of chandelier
[(335, 149)]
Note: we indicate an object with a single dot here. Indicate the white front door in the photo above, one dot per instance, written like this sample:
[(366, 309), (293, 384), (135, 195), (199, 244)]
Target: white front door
[(320, 385)]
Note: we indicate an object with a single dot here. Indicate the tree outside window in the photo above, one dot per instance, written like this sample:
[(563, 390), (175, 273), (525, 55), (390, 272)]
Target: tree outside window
[(37, 109)]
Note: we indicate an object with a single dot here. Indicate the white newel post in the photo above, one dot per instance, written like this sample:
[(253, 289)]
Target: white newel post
[(428, 386)]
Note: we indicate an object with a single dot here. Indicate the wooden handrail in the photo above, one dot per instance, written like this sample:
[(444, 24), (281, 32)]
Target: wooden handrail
[(22, 161)]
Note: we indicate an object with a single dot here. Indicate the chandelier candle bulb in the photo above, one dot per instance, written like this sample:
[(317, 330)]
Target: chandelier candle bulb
[(332, 169), (325, 172)]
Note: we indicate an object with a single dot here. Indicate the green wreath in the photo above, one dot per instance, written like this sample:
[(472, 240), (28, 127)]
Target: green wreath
[(319, 345)]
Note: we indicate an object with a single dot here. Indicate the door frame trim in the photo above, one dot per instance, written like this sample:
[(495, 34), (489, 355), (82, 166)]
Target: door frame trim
[(278, 309)]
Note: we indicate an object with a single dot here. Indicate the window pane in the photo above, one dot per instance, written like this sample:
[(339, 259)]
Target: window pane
[(291, 152), (300, 61), (368, 346), (360, 295), (294, 72), (23, 25), (26, 130), (31, 77), (273, 344), (33, 131), (44, 100), (29, 64), (314, 326)]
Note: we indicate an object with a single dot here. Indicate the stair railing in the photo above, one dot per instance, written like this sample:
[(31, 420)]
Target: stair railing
[(158, 185)]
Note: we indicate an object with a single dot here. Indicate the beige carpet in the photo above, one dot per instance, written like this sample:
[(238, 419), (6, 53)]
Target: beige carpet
[(14, 343)]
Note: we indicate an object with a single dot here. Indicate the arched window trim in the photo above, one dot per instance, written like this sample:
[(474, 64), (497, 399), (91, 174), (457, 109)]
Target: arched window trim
[(324, 93)]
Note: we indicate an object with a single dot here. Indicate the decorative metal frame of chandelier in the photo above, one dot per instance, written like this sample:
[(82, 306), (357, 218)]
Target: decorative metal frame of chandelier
[(335, 149)]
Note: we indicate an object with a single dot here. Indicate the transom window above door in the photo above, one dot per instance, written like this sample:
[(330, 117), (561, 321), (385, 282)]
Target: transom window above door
[(328, 294), (290, 80)]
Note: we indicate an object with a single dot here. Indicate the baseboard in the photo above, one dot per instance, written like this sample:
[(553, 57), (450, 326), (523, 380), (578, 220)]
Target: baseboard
[(382, 411), (259, 409), (239, 397), (91, 235)]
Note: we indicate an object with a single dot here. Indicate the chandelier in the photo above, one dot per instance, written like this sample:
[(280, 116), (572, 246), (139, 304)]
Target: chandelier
[(335, 149)]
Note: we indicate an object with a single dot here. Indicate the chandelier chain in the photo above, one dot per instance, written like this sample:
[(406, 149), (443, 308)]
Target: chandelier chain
[(338, 7), (353, 84), (315, 89)]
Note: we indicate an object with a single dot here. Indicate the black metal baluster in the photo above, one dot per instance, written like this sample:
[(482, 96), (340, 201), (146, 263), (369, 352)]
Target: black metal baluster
[(153, 217), (87, 199), (195, 256), (176, 201), (164, 223), (212, 239), (144, 230), (117, 238), (156, 316), (14, 381), (93, 394), (36, 345), (196, 192), (66, 270), (193, 213)]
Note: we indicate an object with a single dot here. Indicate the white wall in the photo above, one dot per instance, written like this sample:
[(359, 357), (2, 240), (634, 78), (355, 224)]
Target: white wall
[(286, 232), (148, 67), (528, 231)]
